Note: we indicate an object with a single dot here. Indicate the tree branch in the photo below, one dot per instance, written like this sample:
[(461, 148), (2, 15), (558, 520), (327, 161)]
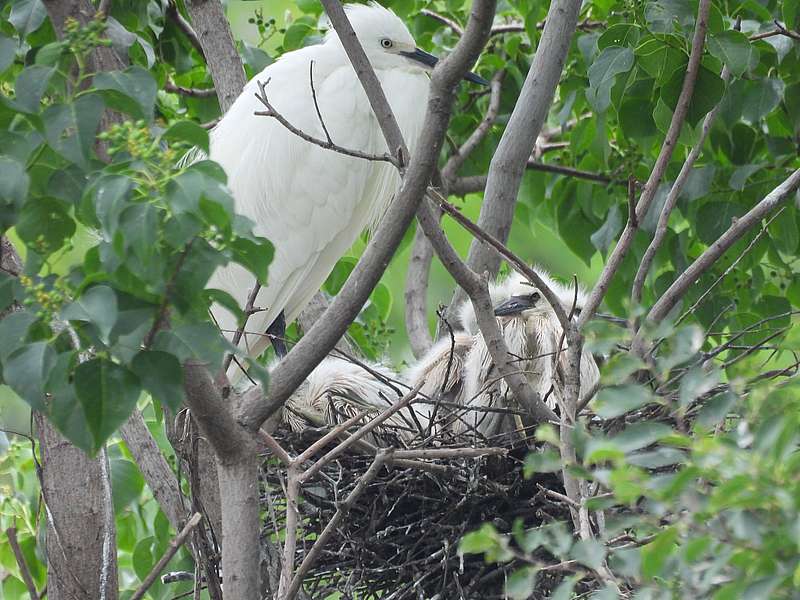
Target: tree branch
[(672, 197), (516, 144), (649, 191), (11, 533), (216, 41), (706, 260)]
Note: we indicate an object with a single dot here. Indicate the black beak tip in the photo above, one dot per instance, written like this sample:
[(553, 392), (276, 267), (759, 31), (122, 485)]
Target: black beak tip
[(476, 79)]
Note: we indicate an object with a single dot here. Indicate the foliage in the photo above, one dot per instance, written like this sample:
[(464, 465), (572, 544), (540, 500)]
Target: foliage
[(120, 237)]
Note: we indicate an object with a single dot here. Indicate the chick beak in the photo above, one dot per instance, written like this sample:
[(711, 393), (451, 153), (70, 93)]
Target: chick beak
[(429, 60), (514, 306)]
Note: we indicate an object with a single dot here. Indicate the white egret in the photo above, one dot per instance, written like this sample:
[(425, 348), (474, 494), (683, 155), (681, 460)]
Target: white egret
[(338, 389), (532, 333), (312, 202)]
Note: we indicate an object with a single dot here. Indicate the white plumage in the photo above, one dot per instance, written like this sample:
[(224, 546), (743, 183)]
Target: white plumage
[(532, 336), (312, 203), (338, 389)]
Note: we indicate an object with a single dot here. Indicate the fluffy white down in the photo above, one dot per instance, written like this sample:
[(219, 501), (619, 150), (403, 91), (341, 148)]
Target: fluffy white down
[(312, 203), (338, 389), (533, 336)]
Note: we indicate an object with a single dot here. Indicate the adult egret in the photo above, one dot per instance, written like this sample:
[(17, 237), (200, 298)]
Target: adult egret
[(532, 333), (338, 389), (312, 202)]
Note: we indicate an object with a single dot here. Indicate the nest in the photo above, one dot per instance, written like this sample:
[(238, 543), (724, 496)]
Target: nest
[(401, 538)]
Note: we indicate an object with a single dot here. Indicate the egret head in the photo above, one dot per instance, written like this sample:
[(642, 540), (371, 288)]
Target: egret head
[(387, 41), (519, 298)]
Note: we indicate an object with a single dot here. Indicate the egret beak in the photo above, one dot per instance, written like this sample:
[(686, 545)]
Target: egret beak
[(515, 305), (429, 60)]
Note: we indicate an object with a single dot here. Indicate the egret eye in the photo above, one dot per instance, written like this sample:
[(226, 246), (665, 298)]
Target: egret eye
[(535, 296), (386, 43)]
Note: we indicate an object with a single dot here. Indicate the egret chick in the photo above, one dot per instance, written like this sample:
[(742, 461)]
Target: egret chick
[(532, 333), (312, 202), (338, 389)]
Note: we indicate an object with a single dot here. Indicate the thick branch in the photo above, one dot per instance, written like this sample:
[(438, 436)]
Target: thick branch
[(649, 191), (316, 344), (216, 40), (515, 147)]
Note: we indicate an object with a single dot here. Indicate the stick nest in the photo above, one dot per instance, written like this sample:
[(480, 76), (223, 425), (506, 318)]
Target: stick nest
[(401, 538)]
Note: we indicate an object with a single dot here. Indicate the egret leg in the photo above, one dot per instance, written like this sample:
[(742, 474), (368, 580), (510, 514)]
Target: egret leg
[(276, 333)]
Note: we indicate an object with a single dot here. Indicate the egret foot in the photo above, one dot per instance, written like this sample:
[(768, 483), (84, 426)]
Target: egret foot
[(276, 333)]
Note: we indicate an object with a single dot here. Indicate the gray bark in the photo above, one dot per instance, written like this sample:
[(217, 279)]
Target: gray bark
[(81, 541), (518, 140), (224, 63)]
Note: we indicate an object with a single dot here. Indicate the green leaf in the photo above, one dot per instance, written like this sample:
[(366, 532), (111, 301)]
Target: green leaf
[(521, 583), (44, 225), (344, 266), (666, 16), (97, 305), (620, 34), (487, 541), (255, 257), (255, 59), (590, 553), (546, 461), (108, 393), (29, 87), (659, 59), (27, 16), (636, 118), (608, 232), (714, 218), (295, 34), (142, 558), (682, 346), (761, 97), (656, 553), (733, 49), (716, 409), (161, 374), (26, 371), (70, 128), (739, 177), (708, 91), (127, 483), (108, 198), (187, 131), (381, 299), (14, 182), (14, 330), (201, 342), (612, 402), (602, 74), (640, 435), (132, 91), (8, 51), (695, 383)]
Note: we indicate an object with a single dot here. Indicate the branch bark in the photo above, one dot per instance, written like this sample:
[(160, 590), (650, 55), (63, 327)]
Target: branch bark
[(706, 260), (649, 191), (515, 147), (216, 40)]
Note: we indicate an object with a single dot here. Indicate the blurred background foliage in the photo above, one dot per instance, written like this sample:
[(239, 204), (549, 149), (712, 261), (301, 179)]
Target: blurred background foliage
[(612, 109)]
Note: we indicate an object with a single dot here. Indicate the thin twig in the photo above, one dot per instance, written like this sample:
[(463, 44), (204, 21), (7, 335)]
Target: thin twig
[(191, 92), (11, 532), (184, 25), (174, 544), (326, 144), (248, 311)]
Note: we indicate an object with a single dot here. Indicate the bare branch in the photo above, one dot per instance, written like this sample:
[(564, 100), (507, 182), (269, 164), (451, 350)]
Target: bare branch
[(416, 294), (184, 25), (672, 198), (457, 29), (11, 533), (515, 147), (327, 144), (779, 30), (707, 259), (191, 92), (649, 191), (174, 544), (216, 40)]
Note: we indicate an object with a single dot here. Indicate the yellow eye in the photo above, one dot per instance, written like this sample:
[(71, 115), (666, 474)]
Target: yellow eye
[(386, 43)]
